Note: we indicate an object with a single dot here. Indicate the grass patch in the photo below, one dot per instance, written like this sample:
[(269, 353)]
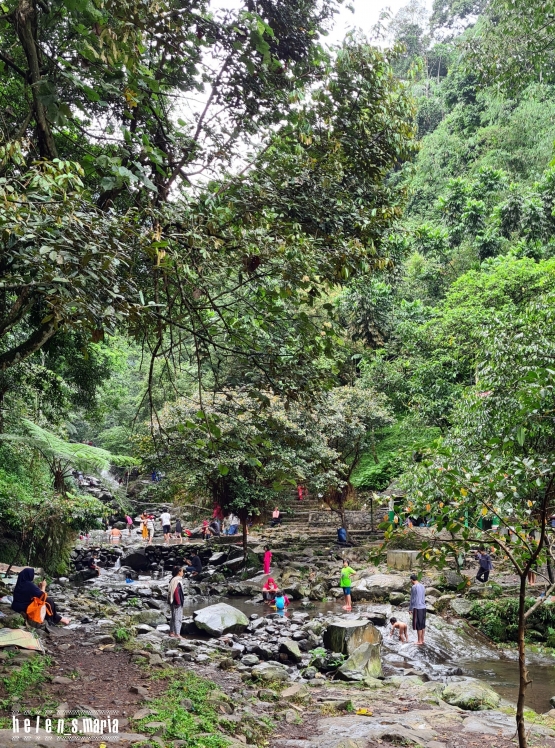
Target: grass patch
[(24, 680), (198, 728)]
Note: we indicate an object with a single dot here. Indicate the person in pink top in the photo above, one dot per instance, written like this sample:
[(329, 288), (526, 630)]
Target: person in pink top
[(267, 559)]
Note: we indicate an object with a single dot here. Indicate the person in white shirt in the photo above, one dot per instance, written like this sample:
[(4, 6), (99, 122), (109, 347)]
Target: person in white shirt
[(165, 519)]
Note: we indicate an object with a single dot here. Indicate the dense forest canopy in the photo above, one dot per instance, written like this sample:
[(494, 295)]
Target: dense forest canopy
[(210, 218)]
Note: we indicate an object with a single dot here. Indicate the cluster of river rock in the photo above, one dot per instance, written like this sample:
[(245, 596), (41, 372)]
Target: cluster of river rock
[(315, 648)]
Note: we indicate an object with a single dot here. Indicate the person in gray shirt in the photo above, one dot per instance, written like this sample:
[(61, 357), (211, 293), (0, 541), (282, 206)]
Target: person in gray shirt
[(417, 607)]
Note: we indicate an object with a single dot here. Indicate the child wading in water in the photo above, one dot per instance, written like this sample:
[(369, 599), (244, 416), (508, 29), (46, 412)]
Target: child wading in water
[(267, 559), (401, 628), (346, 574)]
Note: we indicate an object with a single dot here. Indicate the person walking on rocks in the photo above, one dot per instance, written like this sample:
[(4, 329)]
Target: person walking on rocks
[(345, 583), (144, 529), (150, 528), (129, 521), (178, 531), (165, 521), (267, 559), (417, 607), (485, 567), (176, 598)]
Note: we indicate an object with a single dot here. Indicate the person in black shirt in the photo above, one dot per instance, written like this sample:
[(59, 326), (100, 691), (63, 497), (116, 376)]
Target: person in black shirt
[(194, 564)]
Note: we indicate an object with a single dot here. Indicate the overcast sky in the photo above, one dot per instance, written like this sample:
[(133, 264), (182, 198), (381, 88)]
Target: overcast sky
[(367, 13)]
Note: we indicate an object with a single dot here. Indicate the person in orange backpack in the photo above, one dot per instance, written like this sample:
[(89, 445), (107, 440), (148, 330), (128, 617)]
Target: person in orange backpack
[(25, 593)]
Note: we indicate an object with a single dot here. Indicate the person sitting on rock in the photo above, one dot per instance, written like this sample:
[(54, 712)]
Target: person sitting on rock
[(215, 527), (401, 628), (194, 565), (92, 564), (205, 530), (25, 591), (276, 518), (269, 591)]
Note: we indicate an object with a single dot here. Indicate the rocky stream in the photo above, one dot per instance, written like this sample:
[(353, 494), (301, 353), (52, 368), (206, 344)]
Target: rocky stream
[(311, 676)]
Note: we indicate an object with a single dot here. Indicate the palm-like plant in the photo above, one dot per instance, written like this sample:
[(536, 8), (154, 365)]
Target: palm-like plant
[(62, 457)]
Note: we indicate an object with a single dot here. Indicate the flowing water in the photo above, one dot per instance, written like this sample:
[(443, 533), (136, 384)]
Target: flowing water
[(502, 675), (450, 649)]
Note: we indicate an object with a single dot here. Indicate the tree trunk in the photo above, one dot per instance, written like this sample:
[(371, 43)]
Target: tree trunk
[(550, 570), (522, 670), (15, 557), (26, 26)]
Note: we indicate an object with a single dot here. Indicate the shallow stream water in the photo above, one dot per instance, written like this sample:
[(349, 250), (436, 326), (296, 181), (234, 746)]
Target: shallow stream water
[(449, 647)]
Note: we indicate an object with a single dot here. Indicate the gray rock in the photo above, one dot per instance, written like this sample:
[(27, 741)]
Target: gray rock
[(220, 619), (150, 617), (471, 694), (452, 579), (364, 662), (347, 634), (396, 598), (379, 614), (270, 671), (460, 606), (136, 560), (250, 660), (378, 586), (291, 649)]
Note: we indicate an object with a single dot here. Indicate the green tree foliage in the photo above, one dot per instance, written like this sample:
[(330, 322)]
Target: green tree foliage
[(244, 456), (513, 44), (498, 461), (150, 102), (36, 524), (434, 353)]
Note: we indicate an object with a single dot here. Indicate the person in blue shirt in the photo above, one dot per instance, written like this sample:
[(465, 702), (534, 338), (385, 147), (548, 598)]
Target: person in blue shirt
[(281, 601), (486, 565), (417, 607)]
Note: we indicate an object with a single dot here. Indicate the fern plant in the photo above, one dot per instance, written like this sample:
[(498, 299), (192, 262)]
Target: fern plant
[(62, 457)]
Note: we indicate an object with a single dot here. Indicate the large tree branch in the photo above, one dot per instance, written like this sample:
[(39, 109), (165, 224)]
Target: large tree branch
[(33, 343), (11, 64), (25, 24)]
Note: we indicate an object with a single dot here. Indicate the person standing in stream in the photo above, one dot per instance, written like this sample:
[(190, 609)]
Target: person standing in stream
[(345, 583), (267, 559), (417, 607), (176, 598)]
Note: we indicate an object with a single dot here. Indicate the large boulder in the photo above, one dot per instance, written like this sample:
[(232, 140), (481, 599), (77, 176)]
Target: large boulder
[(364, 662), (460, 606), (378, 586), (220, 619), (254, 585), (347, 634), (149, 617), (136, 560), (402, 560), (291, 649), (471, 694), (270, 671), (452, 579)]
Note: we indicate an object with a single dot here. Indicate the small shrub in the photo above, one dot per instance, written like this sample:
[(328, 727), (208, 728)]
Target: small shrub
[(122, 634), (498, 620)]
